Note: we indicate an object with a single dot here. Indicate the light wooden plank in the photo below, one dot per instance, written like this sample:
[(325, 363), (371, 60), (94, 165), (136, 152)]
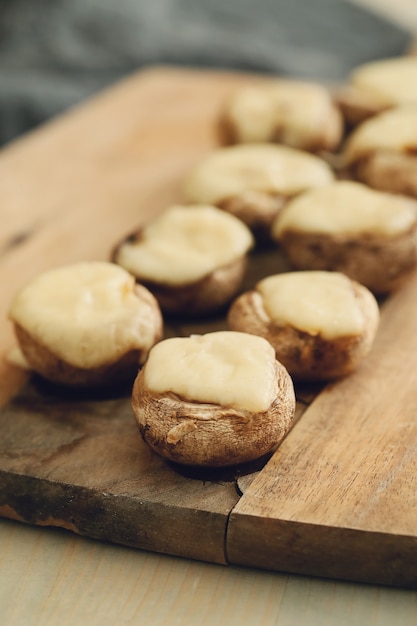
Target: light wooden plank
[(80, 464), (339, 497), (49, 576), (70, 191), (73, 188)]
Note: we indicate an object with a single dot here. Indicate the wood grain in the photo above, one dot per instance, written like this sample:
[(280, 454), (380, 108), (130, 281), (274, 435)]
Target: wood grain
[(80, 464), (72, 189), (76, 460), (338, 498)]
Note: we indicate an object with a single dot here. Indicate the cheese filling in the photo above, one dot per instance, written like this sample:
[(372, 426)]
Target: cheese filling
[(394, 130), (270, 169), (316, 302), (394, 80), (87, 314), (185, 244), (347, 208), (299, 108), (228, 368)]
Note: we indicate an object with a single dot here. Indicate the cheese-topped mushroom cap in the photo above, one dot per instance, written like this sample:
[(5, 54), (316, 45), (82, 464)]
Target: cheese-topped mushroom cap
[(184, 244), (316, 302), (349, 208), (228, 368), (87, 313), (271, 169), (394, 130), (299, 110), (393, 80)]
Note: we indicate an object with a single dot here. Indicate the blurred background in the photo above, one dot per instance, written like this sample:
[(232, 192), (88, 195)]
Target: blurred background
[(56, 53)]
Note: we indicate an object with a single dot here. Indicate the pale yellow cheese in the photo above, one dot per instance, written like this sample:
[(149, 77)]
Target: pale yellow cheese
[(86, 313), (348, 208), (299, 108), (394, 130), (316, 302), (393, 80), (185, 244), (229, 368), (271, 169)]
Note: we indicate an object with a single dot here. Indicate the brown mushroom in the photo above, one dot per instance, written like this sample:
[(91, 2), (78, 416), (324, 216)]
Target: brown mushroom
[(213, 400), (192, 258), (86, 324), (320, 324), (254, 181), (295, 113), (376, 86), (382, 151), (369, 235)]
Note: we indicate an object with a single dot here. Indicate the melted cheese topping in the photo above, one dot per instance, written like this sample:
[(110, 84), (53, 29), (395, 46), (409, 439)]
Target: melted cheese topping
[(228, 172), (393, 80), (347, 208), (87, 314), (228, 368), (318, 303), (299, 108), (185, 244), (394, 130)]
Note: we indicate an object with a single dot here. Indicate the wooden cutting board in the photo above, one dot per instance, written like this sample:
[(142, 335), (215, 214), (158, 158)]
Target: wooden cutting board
[(337, 499)]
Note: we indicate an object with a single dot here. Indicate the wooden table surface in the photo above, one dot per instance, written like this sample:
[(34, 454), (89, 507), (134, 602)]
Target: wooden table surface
[(51, 576)]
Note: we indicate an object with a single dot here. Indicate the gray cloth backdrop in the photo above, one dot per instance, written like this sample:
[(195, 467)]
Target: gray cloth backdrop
[(55, 53)]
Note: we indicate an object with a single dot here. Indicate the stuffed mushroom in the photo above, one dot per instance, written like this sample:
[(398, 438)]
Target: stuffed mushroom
[(369, 235), (254, 181), (320, 324), (192, 258), (299, 114), (213, 400), (86, 324)]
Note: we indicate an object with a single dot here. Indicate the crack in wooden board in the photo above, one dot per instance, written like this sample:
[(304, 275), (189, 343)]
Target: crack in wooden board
[(143, 135), (82, 465), (339, 497)]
